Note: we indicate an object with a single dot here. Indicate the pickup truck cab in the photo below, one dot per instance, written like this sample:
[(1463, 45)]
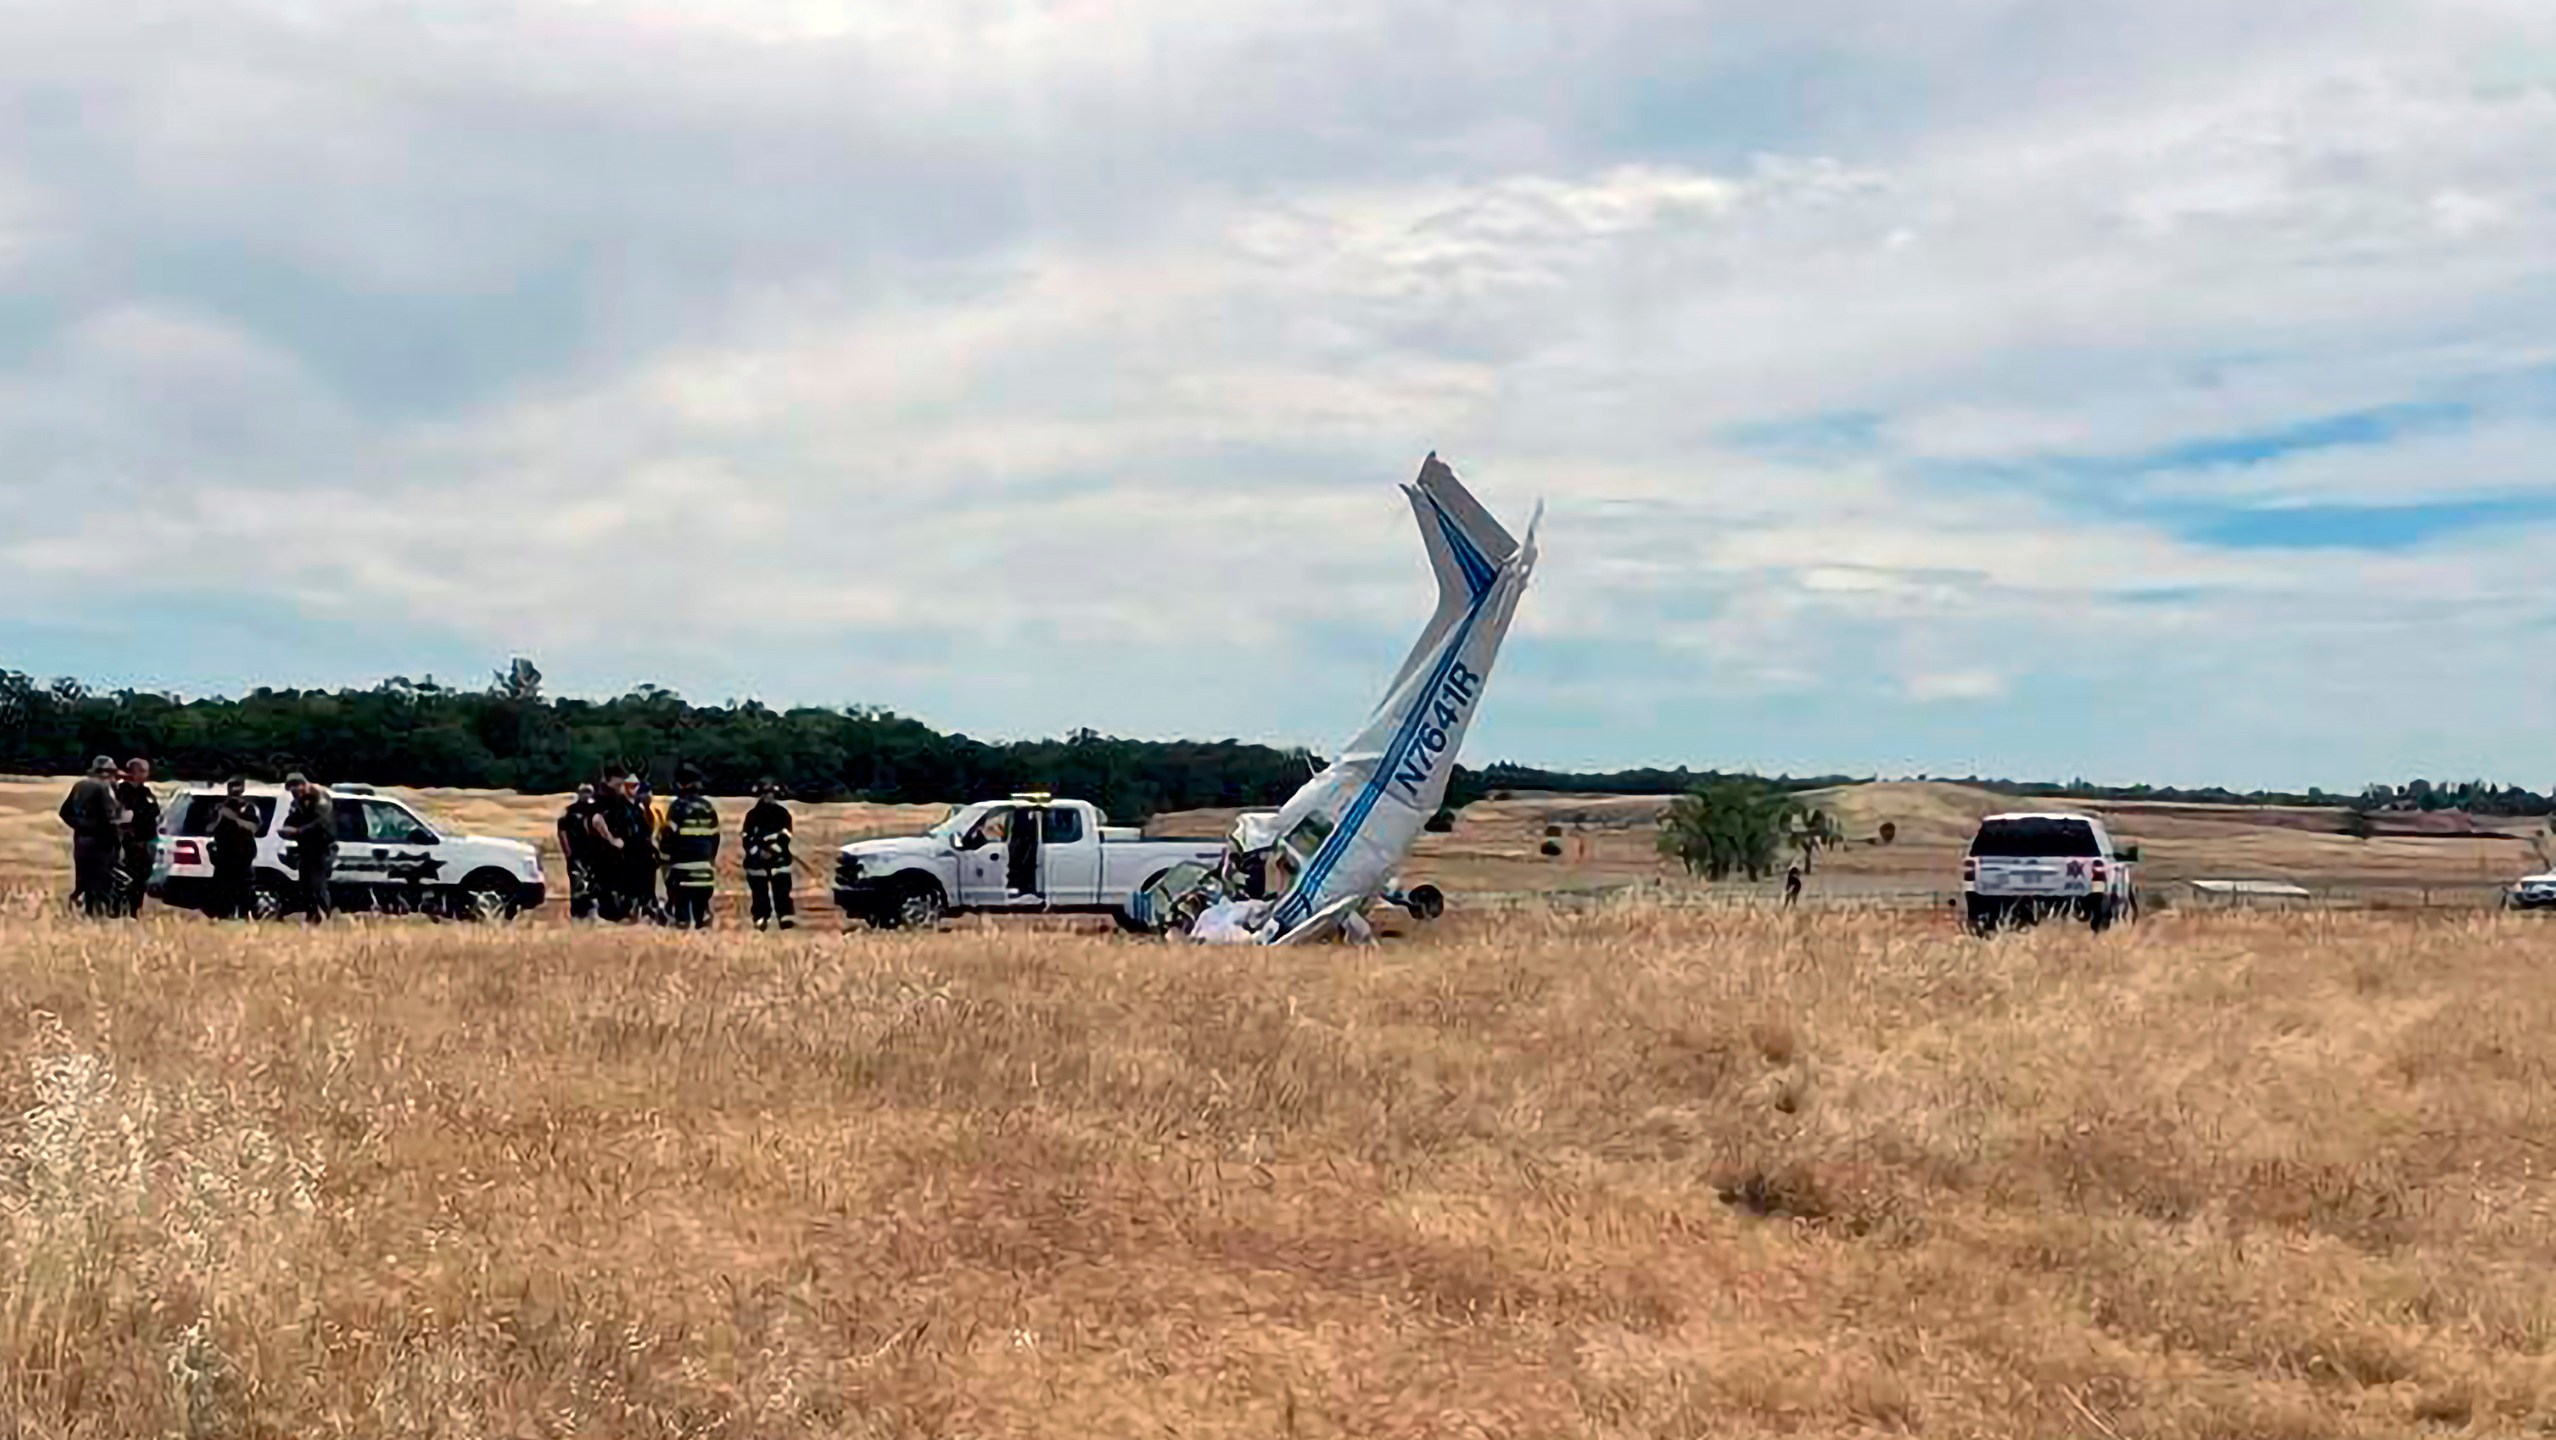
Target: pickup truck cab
[(390, 859), (2024, 867), (1030, 854)]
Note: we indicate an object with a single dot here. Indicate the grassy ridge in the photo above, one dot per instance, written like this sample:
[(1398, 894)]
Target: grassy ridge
[(1646, 1174)]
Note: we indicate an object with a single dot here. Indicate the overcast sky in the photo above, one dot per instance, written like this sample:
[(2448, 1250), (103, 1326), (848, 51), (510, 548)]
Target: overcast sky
[(2155, 390)]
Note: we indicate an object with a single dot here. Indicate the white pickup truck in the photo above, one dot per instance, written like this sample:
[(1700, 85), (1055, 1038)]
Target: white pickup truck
[(1030, 854), (2026, 866)]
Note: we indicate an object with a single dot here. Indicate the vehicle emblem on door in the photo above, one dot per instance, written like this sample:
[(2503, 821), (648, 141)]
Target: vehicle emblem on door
[(2076, 870)]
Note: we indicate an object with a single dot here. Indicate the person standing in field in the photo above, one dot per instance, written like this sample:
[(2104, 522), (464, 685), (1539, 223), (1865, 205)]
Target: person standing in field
[(639, 853), (692, 853), (91, 814), (234, 847), (141, 815), (1792, 886), (310, 827), (576, 852), (766, 838), (608, 831)]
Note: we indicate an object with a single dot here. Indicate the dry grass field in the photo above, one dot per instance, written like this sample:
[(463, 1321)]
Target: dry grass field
[(1627, 1173)]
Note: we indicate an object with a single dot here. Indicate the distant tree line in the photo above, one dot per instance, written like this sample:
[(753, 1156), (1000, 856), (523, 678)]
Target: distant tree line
[(2476, 797), (509, 736)]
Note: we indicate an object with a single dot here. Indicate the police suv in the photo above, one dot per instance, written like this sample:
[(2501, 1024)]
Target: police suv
[(2024, 867), (390, 859)]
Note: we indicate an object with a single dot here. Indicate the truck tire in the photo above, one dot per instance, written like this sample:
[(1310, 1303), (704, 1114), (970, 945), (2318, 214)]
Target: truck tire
[(487, 897), (268, 898), (2099, 914), (918, 904)]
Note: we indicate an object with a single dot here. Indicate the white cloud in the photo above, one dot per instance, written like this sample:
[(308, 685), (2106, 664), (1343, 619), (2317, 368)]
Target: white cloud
[(1956, 685), (1019, 341)]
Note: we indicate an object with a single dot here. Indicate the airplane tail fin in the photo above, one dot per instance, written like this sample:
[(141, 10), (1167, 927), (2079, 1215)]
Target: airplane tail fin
[(1467, 549), (1466, 546)]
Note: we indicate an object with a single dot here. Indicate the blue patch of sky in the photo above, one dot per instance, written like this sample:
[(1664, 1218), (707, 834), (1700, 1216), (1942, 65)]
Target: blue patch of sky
[(2109, 484), (214, 644), (2353, 527)]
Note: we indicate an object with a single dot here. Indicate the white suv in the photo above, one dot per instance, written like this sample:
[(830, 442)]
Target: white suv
[(389, 858), (2023, 867)]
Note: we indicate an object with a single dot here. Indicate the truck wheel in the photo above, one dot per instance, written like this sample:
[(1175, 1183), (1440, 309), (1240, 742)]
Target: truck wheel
[(2099, 915), (266, 899), (487, 898), (1426, 902), (919, 906)]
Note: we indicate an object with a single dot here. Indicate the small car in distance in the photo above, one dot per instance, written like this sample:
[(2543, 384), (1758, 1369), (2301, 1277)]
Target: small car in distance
[(2532, 892)]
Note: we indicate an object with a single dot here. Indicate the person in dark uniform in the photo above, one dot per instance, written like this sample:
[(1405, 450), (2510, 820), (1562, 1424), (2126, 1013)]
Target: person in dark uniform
[(1020, 863), (608, 847), (90, 812), (576, 852), (234, 847), (1792, 886), (310, 827), (766, 838), (638, 878), (141, 831), (692, 853)]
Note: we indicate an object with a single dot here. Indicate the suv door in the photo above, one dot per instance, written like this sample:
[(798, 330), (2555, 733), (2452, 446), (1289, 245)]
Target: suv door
[(380, 843)]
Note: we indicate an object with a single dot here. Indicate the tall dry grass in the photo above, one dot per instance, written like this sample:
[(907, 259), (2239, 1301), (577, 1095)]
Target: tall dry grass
[(1641, 1174)]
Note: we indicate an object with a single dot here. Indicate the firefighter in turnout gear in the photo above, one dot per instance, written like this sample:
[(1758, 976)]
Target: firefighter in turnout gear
[(692, 853), (766, 838)]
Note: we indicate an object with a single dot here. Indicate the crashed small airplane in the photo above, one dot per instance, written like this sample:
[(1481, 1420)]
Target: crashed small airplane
[(1309, 870)]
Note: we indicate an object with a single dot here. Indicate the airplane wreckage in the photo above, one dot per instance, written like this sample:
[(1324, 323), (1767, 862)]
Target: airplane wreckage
[(1310, 870)]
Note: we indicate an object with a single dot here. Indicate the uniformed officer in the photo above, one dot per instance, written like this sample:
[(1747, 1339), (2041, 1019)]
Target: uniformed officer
[(310, 827), (638, 852), (141, 816), (692, 853), (576, 852), (90, 810), (766, 838), (609, 829), (234, 846)]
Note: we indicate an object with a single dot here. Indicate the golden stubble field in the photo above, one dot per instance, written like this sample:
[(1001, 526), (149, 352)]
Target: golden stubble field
[(1629, 1173)]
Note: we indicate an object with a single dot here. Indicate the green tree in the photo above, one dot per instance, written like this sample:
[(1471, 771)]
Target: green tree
[(1811, 830), (1726, 827)]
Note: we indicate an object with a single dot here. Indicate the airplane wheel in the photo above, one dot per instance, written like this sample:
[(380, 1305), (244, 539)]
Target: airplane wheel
[(1426, 902)]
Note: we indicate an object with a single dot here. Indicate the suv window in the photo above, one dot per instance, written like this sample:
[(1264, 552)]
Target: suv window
[(375, 822), (2026, 839), (195, 817), (1064, 826)]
